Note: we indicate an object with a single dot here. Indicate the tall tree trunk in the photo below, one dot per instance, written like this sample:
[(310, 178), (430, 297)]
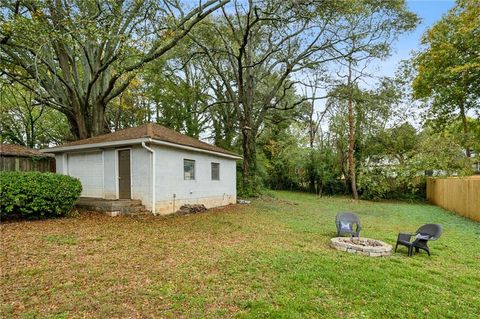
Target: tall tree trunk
[(78, 125), (311, 173), (83, 126), (465, 130), (249, 158), (351, 134), (118, 113), (229, 135), (312, 132), (31, 140), (351, 148), (98, 119)]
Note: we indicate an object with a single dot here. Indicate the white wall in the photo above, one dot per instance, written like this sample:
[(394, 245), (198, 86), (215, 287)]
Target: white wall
[(141, 175), (172, 190), (109, 174), (87, 167), (59, 165)]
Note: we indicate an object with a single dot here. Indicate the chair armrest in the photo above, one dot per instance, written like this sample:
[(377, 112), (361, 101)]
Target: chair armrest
[(359, 227), (337, 223), (404, 236), (423, 237)]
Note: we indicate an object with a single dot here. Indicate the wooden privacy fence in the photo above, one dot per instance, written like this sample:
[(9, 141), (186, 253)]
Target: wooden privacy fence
[(20, 158), (458, 194), (18, 163)]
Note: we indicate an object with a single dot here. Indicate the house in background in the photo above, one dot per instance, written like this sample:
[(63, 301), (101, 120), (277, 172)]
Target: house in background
[(161, 167), (20, 158)]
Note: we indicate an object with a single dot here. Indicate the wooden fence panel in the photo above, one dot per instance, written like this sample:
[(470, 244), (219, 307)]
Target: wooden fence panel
[(17, 163), (458, 194)]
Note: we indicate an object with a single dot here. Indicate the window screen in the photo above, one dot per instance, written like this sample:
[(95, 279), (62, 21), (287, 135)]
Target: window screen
[(215, 171), (188, 169)]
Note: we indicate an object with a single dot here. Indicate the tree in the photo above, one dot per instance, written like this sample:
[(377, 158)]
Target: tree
[(24, 121), (281, 152), (371, 28), (448, 69), (82, 54), (373, 110), (397, 143), (312, 121), (179, 90), (132, 107), (440, 154), (255, 48)]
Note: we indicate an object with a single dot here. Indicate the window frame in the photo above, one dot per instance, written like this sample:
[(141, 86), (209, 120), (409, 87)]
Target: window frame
[(211, 171), (187, 160)]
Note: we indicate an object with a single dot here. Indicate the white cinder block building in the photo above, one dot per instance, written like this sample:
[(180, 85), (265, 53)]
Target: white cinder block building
[(162, 168)]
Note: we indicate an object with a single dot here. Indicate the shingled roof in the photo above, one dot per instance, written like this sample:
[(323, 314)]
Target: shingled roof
[(153, 131), (19, 150)]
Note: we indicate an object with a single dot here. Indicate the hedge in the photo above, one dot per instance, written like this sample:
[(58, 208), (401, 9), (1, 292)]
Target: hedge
[(36, 194)]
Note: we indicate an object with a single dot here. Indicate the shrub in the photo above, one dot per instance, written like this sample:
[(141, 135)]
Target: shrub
[(36, 195), (388, 183)]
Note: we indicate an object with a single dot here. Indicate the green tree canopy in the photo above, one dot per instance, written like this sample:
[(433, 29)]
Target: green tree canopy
[(448, 70), (77, 56)]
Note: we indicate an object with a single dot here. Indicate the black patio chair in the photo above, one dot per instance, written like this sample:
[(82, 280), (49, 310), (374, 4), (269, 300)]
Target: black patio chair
[(348, 223), (420, 238)]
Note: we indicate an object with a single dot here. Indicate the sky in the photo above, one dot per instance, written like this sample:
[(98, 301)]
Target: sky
[(429, 11)]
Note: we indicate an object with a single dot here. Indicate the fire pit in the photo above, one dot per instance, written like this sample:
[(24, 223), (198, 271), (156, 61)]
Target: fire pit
[(362, 246)]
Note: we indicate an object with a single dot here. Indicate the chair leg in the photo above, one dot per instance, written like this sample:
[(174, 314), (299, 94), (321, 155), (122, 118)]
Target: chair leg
[(396, 247), (417, 250)]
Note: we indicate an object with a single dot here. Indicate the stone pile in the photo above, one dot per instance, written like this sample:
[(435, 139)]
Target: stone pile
[(191, 209), (362, 246)]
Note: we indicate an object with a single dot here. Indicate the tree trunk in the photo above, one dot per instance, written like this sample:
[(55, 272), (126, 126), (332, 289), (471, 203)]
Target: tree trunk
[(351, 148), (351, 132), (31, 139), (78, 126), (118, 113), (83, 126), (249, 159), (465, 130), (312, 183), (229, 134), (311, 135), (98, 119), (311, 172)]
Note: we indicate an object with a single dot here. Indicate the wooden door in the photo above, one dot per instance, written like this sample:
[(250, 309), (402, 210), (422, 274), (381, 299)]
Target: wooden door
[(124, 178)]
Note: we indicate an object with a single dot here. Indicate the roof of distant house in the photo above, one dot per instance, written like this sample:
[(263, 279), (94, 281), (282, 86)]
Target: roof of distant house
[(149, 130), (19, 150)]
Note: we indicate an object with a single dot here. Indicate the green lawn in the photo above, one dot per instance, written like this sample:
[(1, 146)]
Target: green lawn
[(270, 259)]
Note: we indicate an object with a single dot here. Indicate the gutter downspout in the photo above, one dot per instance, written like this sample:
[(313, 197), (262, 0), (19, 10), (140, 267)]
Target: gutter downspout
[(153, 174)]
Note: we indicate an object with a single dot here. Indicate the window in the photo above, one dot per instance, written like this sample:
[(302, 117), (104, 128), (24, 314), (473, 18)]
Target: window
[(188, 169), (215, 171)]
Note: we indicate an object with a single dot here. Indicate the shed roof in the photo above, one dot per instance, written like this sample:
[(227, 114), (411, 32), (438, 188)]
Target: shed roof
[(19, 150), (149, 130)]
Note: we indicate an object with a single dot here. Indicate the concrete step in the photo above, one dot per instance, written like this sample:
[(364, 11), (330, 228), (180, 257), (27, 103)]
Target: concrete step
[(129, 209), (113, 207), (100, 202)]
